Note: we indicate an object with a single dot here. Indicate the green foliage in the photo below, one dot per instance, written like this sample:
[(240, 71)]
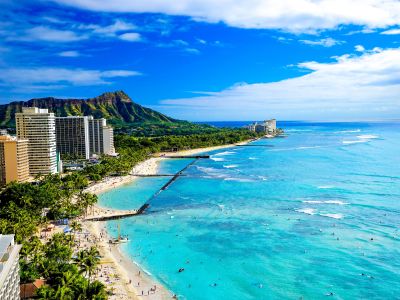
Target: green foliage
[(65, 277), (116, 107), (21, 204)]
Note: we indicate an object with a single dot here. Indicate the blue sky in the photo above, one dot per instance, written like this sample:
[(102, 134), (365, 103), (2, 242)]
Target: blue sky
[(209, 60)]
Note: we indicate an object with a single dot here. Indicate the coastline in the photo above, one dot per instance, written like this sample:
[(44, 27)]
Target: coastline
[(126, 279), (133, 278)]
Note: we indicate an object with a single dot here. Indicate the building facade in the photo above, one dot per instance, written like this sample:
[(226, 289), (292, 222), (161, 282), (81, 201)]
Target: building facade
[(38, 126), (96, 135), (14, 160), (267, 127), (72, 136), (101, 137), (9, 268), (108, 140), (270, 125)]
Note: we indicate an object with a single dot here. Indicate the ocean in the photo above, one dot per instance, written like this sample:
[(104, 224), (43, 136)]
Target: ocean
[(313, 215)]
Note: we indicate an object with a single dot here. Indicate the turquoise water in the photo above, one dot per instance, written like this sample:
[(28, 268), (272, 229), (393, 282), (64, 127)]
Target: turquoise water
[(302, 218)]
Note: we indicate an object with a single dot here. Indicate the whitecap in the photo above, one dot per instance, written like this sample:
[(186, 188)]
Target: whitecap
[(334, 216), (354, 142), (313, 201), (217, 158), (253, 158), (238, 179), (230, 166), (338, 202), (367, 136), (349, 131), (263, 178), (308, 211), (225, 153), (322, 187)]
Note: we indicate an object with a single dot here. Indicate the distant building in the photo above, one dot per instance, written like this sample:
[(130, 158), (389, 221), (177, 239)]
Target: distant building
[(72, 135), (267, 127), (38, 126), (9, 268), (271, 125), (14, 159), (101, 137)]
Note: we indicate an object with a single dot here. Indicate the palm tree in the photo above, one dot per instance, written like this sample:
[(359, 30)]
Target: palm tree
[(96, 290), (87, 200), (76, 227)]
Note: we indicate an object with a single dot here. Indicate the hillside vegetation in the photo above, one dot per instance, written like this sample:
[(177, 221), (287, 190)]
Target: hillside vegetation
[(117, 107)]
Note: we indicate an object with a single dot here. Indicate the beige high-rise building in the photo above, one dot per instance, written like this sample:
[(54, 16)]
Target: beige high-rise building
[(38, 126), (14, 160)]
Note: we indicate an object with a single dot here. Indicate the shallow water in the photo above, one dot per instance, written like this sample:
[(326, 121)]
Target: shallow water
[(303, 218)]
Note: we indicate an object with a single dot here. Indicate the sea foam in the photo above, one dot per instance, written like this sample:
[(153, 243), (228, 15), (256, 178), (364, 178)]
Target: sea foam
[(367, 136), (217, 158), (230, 166), (354, 142), (308, 211), (334, 216), (224, 153), (338, 202), (323, 187)]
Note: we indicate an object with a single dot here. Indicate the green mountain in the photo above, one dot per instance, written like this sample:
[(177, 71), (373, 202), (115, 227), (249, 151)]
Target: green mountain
[(116, 107)]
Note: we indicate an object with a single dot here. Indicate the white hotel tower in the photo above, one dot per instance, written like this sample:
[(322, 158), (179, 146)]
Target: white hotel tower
[(9, 268), (39, 127)]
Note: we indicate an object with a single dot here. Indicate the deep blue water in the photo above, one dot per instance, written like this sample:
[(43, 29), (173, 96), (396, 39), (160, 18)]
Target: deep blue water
[(305, 217)]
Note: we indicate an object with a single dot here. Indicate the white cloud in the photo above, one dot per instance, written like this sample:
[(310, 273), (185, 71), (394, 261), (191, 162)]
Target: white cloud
[(69, 54), (58, 77), (294, 16), (327, 42), (192, 50), (130, 37), (47, 34), (359, 48), (352, 87), (391, 32), (109, 30)]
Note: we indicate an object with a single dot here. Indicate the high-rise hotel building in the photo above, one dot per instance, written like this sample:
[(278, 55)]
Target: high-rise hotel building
[(83, 136), (39, 127), (101, 137), (14, 159), (72, 135), (9, 268)]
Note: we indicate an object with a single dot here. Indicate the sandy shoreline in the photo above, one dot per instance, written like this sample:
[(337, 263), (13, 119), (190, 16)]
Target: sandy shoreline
[(130, 284), (123, 277)]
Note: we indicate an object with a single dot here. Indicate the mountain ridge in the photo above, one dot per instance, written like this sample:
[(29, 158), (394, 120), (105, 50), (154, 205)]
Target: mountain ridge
[(117, 107)]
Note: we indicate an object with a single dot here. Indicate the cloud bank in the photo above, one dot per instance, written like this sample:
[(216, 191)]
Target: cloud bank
[(360, 87), (289, 15), (46, 78)]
